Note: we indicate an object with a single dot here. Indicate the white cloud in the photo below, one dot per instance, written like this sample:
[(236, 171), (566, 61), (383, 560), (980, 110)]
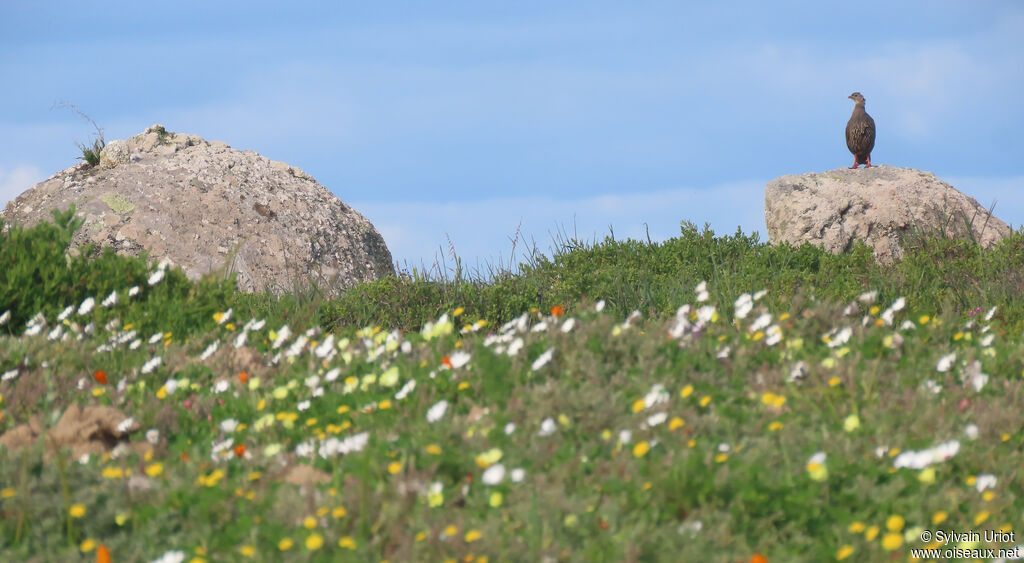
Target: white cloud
[(481, 231), (17, 180)]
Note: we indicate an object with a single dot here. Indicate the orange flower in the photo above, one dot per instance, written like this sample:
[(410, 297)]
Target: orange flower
[(184, 456), (100, 376), (244, 377), (446, 361), (558, 310), (102, 554), (240, 450), (758, 558), (602, 524)]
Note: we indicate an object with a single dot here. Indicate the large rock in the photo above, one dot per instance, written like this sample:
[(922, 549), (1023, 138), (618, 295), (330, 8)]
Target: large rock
[(204, 206), (875, 205)]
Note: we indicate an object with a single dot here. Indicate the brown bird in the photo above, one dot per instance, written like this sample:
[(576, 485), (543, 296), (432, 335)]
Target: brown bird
[(860, 133)]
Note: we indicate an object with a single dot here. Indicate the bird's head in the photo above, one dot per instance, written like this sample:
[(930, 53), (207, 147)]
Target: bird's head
[(856, 97)]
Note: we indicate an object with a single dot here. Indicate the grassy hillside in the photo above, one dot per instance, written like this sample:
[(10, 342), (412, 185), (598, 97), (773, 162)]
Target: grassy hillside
[(709, 398)]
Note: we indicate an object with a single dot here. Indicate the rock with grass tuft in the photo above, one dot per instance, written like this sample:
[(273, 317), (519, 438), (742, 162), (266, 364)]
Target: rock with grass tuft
[(210, 208), (879, 205)]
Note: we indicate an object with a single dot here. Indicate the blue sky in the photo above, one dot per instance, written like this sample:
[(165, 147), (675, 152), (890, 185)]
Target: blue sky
[(468, 120)]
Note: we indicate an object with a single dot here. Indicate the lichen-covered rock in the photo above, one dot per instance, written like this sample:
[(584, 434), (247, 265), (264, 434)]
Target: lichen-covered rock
[(875, 205), (205, 206)]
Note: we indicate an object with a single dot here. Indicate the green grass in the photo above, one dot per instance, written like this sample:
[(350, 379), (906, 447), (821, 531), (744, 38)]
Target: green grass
[(675, 435)]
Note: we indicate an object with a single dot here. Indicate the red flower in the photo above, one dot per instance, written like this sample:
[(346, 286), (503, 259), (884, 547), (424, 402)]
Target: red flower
[(243, 377), (447, 361), (558, 310), (240, 450), (100, 376), (102, 554), (758, 558)]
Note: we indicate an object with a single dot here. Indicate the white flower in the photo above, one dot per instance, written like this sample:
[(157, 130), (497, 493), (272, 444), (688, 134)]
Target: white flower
[(55, 333), (761, 322), (840, 338), (971, 430), (542, 359), (724, 448), (86, 306), (325, 348), (65, 313), (221, 386), (517, 475), (743, 305), (156, 338), (568, 325), (5, 317), (305, 449), (303, 405), (723, 353), (946, 362), (985, 481), (991, 312), (225, 316), (547, 427), (625, 436), (437, 411), (599, 306), (111, 300), (868, 297), (175, 556), (987, 341), (296, 348), (125, 425), (156, 277), (880, 451), (406, 389), (656, 396), (133, 291), (510, 428), (282, 335), (932, 386), (702, 292), (171, 385), (924, 458), (459, 359), (332, 375), (774, 335), (494, 474), (152, 435), (656, 419), (151, 364), (978, 381), (515, 346), (210, 350)]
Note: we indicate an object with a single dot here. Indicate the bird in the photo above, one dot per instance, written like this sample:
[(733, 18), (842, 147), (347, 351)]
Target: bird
[(860, 132)]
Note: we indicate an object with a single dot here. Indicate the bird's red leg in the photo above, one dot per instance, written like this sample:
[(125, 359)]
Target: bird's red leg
[(869, 162), (855, 162)]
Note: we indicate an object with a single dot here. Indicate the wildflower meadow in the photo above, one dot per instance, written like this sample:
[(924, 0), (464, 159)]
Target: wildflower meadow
[(707, 398)]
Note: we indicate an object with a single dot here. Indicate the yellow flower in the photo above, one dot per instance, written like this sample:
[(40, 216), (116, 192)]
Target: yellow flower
[(451, 530), (285, 544), (676, 423), (833, 381), (247, 550), (871, 533), (347, 543), (894, 523), (87, 545), (927, 475), (686, 392), (473, 535), (309, 522), (940, 516), (488, 458), (641, 449), (8, 493), (844, 552), (339, 512), (154, 469), (720, 458), (463, 385), (705, 400), (851, 423), (981, 517), (775, 426), (314, 542), (77, 510), (394, 467), (856, 527), (891, 541), (495, 500), (638, 405), (420, 536)]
